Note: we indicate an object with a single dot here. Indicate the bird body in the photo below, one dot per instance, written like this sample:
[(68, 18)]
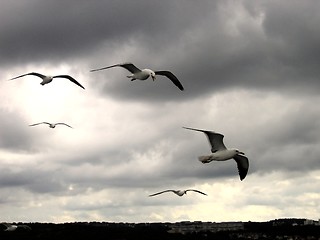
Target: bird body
[(221, 153), (47, 78), (10, 227), (178, 192), (144, 73), (13, 227), (51, 125)]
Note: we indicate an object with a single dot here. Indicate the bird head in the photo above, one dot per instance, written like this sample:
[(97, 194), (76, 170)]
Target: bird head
[(239, 152), (153, 75)]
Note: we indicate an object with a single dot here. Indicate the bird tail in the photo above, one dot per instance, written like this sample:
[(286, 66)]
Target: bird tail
[(205, 159)]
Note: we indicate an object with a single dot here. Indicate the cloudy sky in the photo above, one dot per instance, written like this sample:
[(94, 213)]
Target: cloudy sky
[(250, 70)]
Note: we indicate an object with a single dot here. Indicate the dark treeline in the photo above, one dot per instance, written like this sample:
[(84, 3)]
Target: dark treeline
[(155, 231)]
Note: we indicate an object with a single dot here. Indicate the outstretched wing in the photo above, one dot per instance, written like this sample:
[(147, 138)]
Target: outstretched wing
[(6, 224), (242, 164), (172, 77), (215, 139), (32, 73), (24, 227), (39, 123), (151, 195), (64, 124), (194, 190), (70, 78), (129, 66)]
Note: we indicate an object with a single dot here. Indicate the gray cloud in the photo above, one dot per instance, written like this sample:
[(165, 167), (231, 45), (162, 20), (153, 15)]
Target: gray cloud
[(14, 132)]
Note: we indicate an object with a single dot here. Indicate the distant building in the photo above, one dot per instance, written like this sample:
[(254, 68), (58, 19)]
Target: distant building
[(311, 222), (198, 226)]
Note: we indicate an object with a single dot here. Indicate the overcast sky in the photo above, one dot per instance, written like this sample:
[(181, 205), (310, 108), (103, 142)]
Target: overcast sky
[(250, 70)]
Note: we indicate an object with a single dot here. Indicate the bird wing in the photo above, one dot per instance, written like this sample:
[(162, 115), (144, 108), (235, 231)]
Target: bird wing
[(70, 78), (129, 66), (215, 139), (39, 123), (151, 195), (196, 191), (64, 124), (6, 224), (32, 73), (24, 226), (172, 77), (242, 164)]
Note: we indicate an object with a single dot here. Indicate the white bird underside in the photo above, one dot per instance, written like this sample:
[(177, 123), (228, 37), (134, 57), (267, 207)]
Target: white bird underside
[(144, 73), (48, 79), (221, 153), (51, 125), (178, 192)]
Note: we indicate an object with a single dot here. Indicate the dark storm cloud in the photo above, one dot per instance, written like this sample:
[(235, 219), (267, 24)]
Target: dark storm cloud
[(292, 28), (39, 31), (219, 51), (205, 44)]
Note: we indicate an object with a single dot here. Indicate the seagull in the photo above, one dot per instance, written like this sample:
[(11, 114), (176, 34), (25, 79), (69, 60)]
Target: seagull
[(48, 79), (12, 227), (144, 73), (221, 153), (178, 192), (51, 125)]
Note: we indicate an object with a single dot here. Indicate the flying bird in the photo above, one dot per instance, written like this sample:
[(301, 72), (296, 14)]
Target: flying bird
[(12, 227), (48, 79), (178, 192), (221, 153), (144, 73), (51, 125)]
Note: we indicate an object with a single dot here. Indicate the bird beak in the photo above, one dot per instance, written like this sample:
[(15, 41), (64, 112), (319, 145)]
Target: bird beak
[(242, 153), (153, 78)]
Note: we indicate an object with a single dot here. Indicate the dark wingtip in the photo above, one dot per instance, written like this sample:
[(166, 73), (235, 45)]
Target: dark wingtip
[(195, 129), (180, 87), (242, 177), (79, 85)]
